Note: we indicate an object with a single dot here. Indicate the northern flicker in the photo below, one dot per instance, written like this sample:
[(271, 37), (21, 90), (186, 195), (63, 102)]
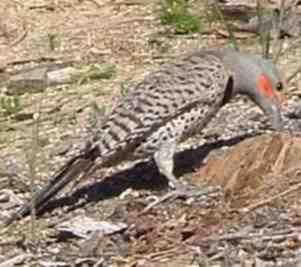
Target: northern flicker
[(167, 107)]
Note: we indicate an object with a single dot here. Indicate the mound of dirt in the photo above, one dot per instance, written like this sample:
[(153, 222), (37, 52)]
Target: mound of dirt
[(257, 167)]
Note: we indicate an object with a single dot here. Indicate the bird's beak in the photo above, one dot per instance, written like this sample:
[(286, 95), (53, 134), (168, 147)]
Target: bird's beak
[(281, 98), (272, 108), (275, 116)]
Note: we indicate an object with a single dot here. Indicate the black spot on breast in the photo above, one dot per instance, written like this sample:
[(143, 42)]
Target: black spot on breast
[(159, 91), (181, 78), (154, 141), (148, 118), (174, 105), (146, 102), (190, 92), (194, 60), (204, 84), (178, 91), (138, 109), (105, 127), (156, 97)]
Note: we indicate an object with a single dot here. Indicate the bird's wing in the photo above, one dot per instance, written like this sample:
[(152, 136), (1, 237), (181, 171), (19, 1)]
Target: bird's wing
[(198, 79)]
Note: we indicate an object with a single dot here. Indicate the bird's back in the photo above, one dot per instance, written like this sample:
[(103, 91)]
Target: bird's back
[(173, 102)]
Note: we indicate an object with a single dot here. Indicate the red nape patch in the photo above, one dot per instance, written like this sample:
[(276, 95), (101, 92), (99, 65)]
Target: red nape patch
[(265, 86)]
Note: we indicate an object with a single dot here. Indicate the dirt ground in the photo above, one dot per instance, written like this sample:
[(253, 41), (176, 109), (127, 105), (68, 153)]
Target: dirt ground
[(52, 125)]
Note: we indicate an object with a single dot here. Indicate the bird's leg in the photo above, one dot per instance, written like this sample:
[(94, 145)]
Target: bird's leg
[(164, 159)]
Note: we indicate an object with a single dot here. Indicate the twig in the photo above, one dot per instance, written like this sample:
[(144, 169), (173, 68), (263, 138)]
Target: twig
[(20, 38), (239, 236), (131, 2), (17, 260), (264, 35), (279, 42), (259, 17), (161, 254), (292, 76), (42, 6), (98, 4), (32, 158), (293, 45), (35, 60), (19, 3), (134, 19), (271, 199), (228, 27)]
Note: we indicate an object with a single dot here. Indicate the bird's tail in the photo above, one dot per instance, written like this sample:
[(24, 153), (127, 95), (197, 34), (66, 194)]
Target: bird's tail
[(78, 166)]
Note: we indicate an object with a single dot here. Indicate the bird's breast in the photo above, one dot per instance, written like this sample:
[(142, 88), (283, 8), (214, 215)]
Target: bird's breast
[(177, 130)]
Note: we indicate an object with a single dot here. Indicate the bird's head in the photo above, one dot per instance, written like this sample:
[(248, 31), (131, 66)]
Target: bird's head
[(259, 79)]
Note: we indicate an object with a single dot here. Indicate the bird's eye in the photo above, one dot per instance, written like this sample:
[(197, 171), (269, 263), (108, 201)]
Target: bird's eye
[(279, 86)]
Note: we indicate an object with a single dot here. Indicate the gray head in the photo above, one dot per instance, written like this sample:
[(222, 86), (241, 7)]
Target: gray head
[(259, 79)]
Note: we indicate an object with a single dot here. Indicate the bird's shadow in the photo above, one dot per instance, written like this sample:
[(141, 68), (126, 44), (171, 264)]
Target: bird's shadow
[(143, 175)]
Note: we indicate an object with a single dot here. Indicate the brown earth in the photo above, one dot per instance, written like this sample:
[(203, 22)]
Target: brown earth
[(255, 169)]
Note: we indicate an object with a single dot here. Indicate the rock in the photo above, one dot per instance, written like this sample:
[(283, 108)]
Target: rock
[(33, 80), (37, 79), (248, 167), (84, 227)]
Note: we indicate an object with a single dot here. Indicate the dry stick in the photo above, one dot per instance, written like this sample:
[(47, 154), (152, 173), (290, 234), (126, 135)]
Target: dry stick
[(279, 43), (295, 73), (265, 36), (271, 199), (98, 4), (163, 253), (17, 260), (18, 3), (32, 170), (293, 45), (20, 38), (132, 2), (240, 236), (228, 27), (261, 37)]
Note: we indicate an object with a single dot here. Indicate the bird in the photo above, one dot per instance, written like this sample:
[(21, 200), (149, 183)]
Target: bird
[(167, 107)]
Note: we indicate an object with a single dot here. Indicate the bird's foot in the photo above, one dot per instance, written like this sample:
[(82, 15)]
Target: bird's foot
[(181, 192)]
